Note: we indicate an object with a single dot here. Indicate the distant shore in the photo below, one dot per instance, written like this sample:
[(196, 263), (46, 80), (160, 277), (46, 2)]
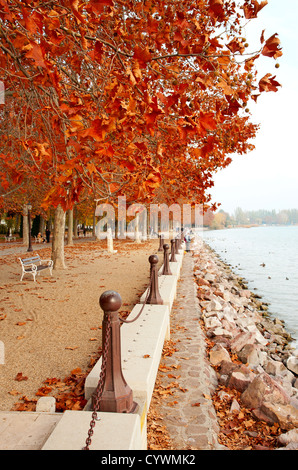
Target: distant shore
[(250, 226)]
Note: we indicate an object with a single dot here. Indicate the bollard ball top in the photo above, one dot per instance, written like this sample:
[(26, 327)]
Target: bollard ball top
[(153, 259), (165, 246), (110, 301)]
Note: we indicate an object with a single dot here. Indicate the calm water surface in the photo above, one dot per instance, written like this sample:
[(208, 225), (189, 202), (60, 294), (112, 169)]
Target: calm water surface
[(247, 250)]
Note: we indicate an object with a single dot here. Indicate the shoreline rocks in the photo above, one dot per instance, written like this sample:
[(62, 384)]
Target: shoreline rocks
[(251, 351)]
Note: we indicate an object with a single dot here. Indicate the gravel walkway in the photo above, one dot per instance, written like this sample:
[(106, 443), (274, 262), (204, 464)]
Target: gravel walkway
[(188, 414)]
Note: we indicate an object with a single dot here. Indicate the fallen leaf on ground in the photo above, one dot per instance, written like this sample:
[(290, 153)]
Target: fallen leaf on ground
[(19, 377), (14, 392)]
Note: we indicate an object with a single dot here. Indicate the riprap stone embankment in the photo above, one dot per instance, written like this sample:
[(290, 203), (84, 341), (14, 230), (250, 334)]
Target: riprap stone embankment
[(239, 325)]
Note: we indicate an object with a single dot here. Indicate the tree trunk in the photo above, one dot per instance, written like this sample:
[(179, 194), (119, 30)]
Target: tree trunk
[(94, 222), (18, 223), (75, 221), (42, 225), (25, 226), (70, 227), (58, 239)]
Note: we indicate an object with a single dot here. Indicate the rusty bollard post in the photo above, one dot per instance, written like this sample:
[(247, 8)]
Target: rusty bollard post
[(173, 251), (154, 296), (166, 265), (117, 395), (160, 248)]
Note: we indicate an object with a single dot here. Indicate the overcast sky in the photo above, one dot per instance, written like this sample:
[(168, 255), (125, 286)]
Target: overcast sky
[(267, 177)]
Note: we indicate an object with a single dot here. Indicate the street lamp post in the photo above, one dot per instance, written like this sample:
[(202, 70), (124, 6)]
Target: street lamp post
[(29, 227)]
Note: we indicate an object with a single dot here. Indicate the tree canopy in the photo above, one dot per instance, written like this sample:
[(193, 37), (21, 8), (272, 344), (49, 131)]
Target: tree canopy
[(143, 98)]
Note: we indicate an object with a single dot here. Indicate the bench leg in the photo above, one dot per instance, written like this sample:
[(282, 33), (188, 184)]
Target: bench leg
[(33, 274)]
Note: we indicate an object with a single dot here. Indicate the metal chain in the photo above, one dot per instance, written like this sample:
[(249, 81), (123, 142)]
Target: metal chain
[(144, 303), (99, 389)]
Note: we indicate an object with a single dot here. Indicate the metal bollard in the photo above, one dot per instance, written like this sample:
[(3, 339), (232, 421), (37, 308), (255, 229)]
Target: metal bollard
[(116, 395), (160, 248), (173, 251), (166, 266), (154, 296)]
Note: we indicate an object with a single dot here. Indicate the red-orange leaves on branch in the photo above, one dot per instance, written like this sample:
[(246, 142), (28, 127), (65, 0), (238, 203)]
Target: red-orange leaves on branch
[(98, 5), (154, 113), (272, 47), (153, 180), (75, 5), (33, 21), (208, 121), (216, 9), (112, 96), (35, 53), (249, 63), (96, 130), (268, 83), (236, 45), (142, 56), (97, 52), (251, 8)]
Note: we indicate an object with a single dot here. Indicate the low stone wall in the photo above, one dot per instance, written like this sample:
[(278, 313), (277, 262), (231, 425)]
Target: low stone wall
[(239, 326), (141, 349)]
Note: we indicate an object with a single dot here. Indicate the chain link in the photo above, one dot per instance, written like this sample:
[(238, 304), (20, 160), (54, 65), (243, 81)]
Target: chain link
[(144, 303), (99, 389)]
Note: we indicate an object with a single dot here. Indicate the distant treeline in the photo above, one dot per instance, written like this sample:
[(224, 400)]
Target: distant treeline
[(222, 219)]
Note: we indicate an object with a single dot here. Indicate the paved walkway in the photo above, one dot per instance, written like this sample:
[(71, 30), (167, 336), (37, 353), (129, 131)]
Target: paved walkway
[(24, 430), (192, 422)]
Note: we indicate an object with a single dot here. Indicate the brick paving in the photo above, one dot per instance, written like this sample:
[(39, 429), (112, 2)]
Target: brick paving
[(189, 415)]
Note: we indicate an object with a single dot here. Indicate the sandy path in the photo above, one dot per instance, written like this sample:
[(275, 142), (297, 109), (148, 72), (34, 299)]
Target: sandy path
[(50, 327)]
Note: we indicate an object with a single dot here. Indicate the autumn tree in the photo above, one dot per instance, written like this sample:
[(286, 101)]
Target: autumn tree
[(141, 98)]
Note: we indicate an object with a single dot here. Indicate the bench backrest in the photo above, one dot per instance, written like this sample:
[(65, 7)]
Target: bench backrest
[(34, 259)]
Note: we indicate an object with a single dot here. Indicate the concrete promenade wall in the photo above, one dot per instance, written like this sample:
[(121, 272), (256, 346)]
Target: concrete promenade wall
[(141, 348)]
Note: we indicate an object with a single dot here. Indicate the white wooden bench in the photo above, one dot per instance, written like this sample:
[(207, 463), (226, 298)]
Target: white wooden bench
[(34, 265)]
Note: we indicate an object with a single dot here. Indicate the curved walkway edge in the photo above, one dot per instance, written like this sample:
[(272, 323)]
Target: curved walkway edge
[(189, 415)]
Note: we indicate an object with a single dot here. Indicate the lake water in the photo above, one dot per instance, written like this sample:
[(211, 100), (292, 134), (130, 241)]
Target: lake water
[(248, 249)]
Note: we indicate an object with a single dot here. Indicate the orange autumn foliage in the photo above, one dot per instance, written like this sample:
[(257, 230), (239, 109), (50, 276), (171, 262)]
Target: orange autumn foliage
[(139, 98)]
